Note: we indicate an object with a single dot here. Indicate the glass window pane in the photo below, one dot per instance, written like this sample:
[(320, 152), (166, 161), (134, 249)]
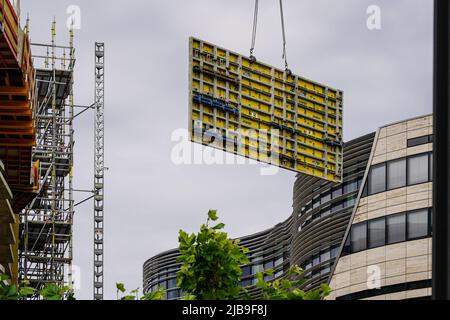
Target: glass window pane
[(246, 271), (337, 192), (365, 191), (351, 186), (316, 202), (172, 295), (377, 181), (334, 251), (350, 202), (377, 232), (418, 224), (268, 265), (316, 260), (396, 229), (418, 141), (418, 169), (325, 212), (326, 197), (325, 256), (346, 250), (396, 174), (336, 207), (431, 167), (172, 283), (279, 261), (359, 238)]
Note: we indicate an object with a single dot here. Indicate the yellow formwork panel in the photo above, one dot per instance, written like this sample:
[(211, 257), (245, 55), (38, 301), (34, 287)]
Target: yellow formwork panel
[(269, 114)]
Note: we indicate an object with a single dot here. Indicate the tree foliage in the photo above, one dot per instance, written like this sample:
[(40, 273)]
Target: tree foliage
[(211, 262), (287, 288), (49, 292)]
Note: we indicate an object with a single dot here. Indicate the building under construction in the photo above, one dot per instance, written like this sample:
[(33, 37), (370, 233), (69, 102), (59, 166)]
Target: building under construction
[(36, 151)]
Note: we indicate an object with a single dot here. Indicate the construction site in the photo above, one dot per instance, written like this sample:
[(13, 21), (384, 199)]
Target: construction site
[(352, 197), (37, 113)]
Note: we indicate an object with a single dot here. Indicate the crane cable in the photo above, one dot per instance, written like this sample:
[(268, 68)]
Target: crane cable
[(255, 26), (284, 36), (255, 29)]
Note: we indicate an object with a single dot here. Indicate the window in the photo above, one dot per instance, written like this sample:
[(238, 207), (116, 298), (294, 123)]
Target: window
[(279, 261), (350, 202), (316, 260), (325, 270), (268, 265), (377, 181), (418, 169), (431, 165), (316, 202), (309, 206), (308, 265), (419, 141), (336, 207), (359, 237), (351, 186), (418, 224), (396, 229), (334, 251), (174, 294), (246, 283), (172, 283), (326, 197), (377, 232), (337, 193), (325, 212), (365, 192), (325, 256), (396, 174), (246, 271), (347, 249), (163, 285)]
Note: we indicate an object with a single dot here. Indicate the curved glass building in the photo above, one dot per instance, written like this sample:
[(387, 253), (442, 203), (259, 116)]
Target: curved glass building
[(368, 237)]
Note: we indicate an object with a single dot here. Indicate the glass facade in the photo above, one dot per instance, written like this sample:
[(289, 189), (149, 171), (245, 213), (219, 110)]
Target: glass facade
[(399, 173), (389, 230)]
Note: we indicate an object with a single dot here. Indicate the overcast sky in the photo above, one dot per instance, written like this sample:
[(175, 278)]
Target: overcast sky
[(386, 76)]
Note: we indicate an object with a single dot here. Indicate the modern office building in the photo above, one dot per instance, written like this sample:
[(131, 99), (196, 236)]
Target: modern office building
[(369, 237)]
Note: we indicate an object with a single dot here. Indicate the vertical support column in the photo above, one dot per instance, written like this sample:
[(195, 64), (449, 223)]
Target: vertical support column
[(99, 170), (441, 221)]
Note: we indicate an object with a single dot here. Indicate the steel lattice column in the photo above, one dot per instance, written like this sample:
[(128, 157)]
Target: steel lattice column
[(99, 155)]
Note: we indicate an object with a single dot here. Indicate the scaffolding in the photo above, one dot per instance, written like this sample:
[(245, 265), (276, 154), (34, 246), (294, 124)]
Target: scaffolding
[(45, 253)]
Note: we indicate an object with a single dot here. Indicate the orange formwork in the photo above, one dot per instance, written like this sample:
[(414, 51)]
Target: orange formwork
[(17, 104)]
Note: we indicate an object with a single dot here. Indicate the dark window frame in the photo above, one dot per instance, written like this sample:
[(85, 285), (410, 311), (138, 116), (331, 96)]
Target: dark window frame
[(419, 141), (348, 249), (369, 240), (377, 166), (408, 236), (405, 227), (408, 183), (366, 192)]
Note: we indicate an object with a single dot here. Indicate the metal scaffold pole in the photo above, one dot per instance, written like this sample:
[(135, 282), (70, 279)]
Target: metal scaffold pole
[(99, 159)]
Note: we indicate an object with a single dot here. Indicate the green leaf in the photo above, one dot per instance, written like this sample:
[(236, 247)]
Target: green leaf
[(4, 277), (220, 226), (120, 287), (27, 291), (212, 215)]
